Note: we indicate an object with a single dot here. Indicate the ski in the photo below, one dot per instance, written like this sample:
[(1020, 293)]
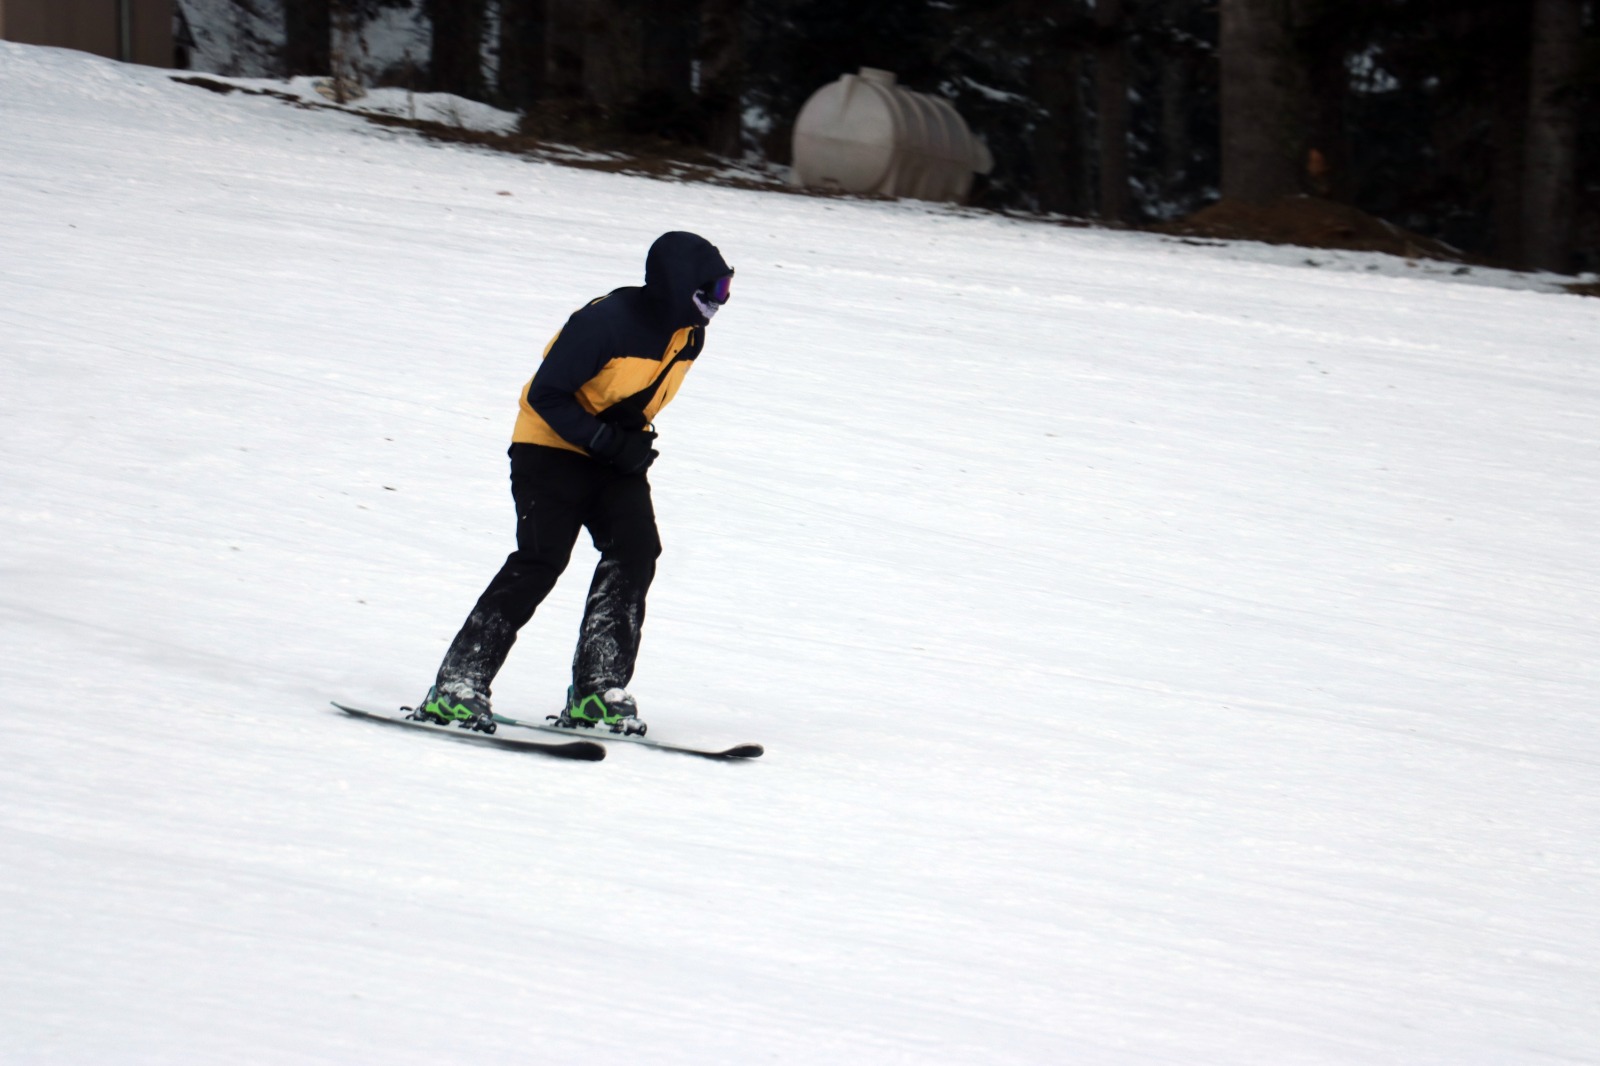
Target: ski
[(586, 750), (738, 751)]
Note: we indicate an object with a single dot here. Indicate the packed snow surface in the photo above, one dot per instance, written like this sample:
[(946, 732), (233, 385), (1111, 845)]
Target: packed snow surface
[(1164, 655)]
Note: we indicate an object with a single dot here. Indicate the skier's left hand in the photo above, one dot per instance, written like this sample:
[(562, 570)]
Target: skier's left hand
[(632, 453)]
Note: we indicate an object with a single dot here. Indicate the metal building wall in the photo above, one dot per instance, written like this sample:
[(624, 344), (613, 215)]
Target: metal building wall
[(139, 31)]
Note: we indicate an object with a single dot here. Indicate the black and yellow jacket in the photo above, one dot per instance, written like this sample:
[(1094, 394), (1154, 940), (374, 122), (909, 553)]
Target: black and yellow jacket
[(620, 359)]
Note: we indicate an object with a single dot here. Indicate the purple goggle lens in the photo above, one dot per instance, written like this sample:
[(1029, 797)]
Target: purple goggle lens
[(717, 291)]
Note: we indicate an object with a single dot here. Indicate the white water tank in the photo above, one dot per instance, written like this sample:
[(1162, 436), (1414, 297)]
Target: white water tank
[(864, 134)]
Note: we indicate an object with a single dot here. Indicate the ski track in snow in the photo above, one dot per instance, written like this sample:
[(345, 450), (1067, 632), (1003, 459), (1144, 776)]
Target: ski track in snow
[(1164, 654)]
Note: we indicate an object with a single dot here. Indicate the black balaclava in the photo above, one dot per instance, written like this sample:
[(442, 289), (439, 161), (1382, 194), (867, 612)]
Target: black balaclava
[(678, 264)]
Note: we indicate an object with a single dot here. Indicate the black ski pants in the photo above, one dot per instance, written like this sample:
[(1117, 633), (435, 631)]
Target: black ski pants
[(558, 493)]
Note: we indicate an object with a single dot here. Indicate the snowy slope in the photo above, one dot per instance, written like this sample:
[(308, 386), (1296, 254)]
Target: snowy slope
[(1164, 655)]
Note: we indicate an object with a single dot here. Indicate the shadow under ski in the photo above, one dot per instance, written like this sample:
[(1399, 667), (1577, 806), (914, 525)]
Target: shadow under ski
[(738, 751)]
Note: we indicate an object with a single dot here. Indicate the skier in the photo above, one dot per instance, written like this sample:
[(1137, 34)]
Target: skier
[(582, 443)]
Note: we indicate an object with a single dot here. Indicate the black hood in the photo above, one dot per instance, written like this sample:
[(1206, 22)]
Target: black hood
[(678, 264)]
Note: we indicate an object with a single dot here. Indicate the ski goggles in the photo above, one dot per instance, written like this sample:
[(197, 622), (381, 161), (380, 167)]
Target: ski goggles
[(717, 291)]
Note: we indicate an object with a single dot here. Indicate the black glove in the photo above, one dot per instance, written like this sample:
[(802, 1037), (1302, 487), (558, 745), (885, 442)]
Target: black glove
[(626, 449)]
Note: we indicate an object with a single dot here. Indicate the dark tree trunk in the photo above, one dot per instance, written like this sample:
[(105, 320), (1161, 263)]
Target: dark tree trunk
[(721, 57), (1060, 175), (1551, 152), (522, 52), (1508, 121), (1111, 109), (1173, 85), (564, 37), (1327, 157), (455, 61), (308, 32), (611, 50), (1175, 102), (667, 48), (637, 59), (1263, 101)]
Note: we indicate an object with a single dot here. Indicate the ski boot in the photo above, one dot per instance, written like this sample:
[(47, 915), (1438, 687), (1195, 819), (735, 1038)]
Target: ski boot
[(441, 708), (613, 708)]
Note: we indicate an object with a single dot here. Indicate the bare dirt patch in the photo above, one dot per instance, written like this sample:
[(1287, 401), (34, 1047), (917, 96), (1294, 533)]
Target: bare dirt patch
[(1309, 223)]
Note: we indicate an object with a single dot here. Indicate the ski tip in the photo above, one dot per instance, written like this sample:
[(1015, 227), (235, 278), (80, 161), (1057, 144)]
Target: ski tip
[(744, 751)]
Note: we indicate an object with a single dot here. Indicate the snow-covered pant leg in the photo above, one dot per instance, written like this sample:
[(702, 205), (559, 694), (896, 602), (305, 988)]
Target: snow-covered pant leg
[(551, 502), (623, 524)]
